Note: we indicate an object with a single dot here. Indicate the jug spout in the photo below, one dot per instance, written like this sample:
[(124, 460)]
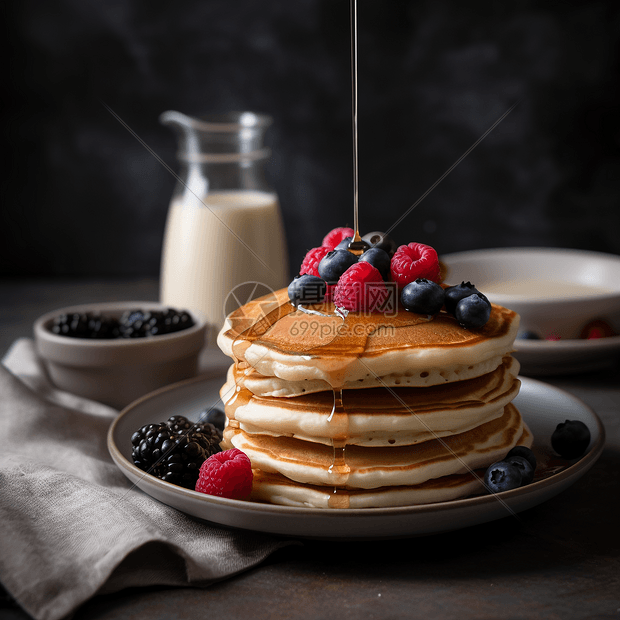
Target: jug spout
[(185, 129), (175, 119)]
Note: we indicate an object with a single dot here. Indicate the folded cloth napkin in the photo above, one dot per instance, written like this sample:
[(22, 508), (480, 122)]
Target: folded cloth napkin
[(71, 525)]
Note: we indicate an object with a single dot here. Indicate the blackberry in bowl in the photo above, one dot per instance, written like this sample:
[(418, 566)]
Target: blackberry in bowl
[(104, 352)]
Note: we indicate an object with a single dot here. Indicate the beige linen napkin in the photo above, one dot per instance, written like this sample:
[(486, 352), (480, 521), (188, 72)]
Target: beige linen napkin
[(71, 525)]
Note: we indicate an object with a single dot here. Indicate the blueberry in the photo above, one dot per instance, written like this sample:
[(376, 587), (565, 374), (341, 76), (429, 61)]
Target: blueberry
[(525, 452), (528, 335), (473, 311), (422, 296), (527, 471), (306, 289), (381, 240), (334, 264), (213, 416), (454, 294), (502, 476), (570, 439), (379, 259), (344, 244)]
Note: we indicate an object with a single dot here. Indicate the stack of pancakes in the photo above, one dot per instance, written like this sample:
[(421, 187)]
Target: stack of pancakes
[(368, 410)]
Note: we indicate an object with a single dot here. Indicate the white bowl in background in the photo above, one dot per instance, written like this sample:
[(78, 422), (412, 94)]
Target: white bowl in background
[(117, 371), (557, 292)]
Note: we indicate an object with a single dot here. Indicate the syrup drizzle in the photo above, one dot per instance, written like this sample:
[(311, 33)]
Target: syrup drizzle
[(339, 418), (356, 246)]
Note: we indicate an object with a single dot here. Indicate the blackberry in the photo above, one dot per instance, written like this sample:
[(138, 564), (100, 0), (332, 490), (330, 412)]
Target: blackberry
[(103, 327), (179, 424), (141, 323), (171, 320), (85, 325), (211, 432), (174, 451), (132, 324)]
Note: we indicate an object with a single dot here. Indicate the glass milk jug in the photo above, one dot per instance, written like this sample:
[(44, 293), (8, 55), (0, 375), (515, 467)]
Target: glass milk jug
[(224, 226)]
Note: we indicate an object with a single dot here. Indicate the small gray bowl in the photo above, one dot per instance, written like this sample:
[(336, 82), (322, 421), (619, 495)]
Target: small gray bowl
[(117, 371)]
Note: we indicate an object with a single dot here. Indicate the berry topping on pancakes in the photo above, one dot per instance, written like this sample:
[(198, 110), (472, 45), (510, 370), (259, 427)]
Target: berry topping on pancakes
[(311, 261), (454, 294), (346, 242), (334, 237), (379, 259), (360, 288), (381, 240), (473, 311), (307, 289), (413, 261), (334, 264), (422, 296), (382, 278)]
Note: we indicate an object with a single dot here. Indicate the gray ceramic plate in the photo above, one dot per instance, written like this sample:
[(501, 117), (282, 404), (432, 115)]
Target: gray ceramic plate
[(545, 357), (542, 406)]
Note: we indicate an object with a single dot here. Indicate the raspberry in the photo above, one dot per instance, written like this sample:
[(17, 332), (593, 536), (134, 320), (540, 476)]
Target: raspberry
[(311, 261), (414, 261), (334, 237), (329, 292), (361, 288), (226, 474), (596, 329)]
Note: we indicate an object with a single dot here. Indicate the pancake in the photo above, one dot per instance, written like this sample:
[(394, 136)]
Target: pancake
[(275, 386), (372, 467), (276, 489), (353, 350), (375, 416), (344, 410)]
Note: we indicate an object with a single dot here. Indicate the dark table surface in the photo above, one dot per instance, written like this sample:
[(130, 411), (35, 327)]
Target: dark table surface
[(560, 559)]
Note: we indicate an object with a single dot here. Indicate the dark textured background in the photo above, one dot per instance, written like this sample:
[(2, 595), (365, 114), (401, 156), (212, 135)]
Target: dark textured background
[(83, 197)]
